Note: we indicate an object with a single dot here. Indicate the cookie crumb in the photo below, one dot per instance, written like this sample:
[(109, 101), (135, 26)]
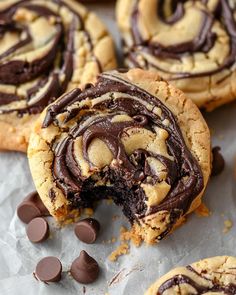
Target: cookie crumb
[(71, 218), (122, 249), (112, 240), (203, 211), (130, 235), (126, 236), (228, 224), (88, 211)]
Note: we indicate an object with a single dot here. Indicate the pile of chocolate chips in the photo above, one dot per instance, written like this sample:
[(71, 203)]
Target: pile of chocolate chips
[(84, 269)]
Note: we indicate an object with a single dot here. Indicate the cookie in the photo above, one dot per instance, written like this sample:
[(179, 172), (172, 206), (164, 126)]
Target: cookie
[(190, 43), (47, 47), (216, 275), (131, 136)]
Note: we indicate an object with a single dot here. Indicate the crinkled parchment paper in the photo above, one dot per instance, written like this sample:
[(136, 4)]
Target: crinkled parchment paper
[(132, 274)]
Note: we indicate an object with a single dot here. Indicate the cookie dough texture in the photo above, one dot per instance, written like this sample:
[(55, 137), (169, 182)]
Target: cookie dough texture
[(189, 43), (131, 136), (47, 47), (216, 275)]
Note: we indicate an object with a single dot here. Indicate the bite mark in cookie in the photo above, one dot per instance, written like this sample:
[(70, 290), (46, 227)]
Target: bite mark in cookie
[(112, 140)]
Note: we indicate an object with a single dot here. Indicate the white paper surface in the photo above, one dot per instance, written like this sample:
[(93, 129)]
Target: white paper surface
[(198, 238)]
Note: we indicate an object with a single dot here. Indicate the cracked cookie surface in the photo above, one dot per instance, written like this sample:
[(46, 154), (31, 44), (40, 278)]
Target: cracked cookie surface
[(216, 275), (190, 43), (131, 136), (47, 47)]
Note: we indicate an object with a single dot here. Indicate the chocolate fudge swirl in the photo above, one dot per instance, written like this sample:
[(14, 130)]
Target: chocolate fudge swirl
[(174, 50), (118, 140), (198, 283), (39, 53)]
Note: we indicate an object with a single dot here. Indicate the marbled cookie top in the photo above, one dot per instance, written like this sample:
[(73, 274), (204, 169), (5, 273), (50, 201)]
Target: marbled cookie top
[(191, 43), (216, 275), (123, 127), (116, 139), (46, 48)]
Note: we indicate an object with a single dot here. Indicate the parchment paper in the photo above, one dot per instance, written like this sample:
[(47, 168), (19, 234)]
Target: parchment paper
[(199, 238)]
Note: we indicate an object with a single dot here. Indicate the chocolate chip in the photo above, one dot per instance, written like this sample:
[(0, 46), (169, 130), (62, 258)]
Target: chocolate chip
[(49, 269), (87, 230), (84, 269), (218, 163), (37, 230), (27, 211), (31, 207)]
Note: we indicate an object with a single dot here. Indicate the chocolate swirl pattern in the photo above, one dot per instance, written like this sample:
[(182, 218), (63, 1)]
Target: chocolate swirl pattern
[(46, 48), (200, 61), (116, 139), (216, 275)]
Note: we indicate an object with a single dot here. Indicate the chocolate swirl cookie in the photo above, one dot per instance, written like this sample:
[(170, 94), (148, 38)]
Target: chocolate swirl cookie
[(47, 47), (190, 43), (130, 136), (216, 275)]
